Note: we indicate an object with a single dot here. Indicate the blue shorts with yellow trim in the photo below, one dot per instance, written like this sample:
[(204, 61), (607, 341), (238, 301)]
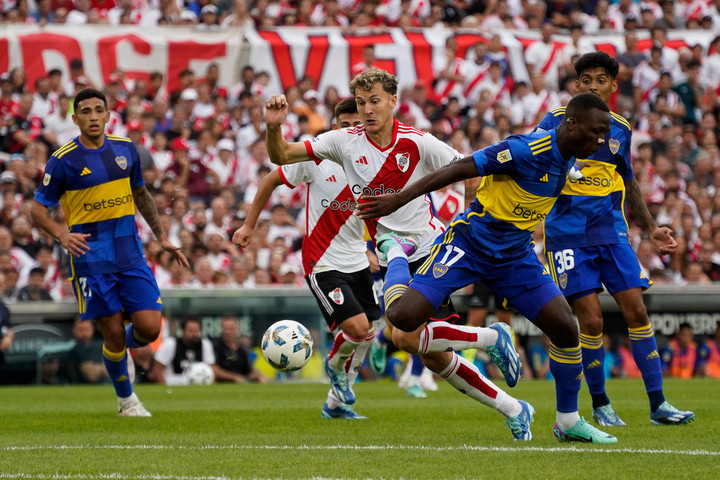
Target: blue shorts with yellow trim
[(456, 260), (106, 294), (584, 270)]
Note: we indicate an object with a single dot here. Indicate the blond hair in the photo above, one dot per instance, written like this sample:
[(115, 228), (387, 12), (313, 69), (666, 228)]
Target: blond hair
[(367, 80)]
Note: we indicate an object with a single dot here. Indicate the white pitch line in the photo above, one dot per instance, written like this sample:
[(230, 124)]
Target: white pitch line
[(586, 449)]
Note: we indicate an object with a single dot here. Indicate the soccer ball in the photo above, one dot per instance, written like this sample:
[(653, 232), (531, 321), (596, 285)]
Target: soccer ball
[(287, 345), (200, 373)]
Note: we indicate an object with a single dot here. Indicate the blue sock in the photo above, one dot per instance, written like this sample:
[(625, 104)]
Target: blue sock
[(380, 337), (645, 353), (116, 364), (593, 360), (396, 279), (566, 367), (417, 366), (131, 338)]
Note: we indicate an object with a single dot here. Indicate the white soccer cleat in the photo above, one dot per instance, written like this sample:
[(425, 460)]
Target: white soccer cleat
[(132, 407)]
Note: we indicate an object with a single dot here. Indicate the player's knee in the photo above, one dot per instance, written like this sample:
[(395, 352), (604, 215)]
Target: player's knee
[(591, 324), (404, 341), (148, 333), (636, 316), (356, 329), (399, 318)]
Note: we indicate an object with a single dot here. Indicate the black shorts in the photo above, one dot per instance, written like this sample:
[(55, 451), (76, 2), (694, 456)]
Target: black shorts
[(446, 312), (480, 298), (344, 295)]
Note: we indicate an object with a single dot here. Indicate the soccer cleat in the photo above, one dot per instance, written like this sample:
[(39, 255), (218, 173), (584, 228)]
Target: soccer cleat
[(666, 414), (339, 384), (519, 425), (416, 391), (342, 411), (388, 240), (605, 416), (582, 431), (132, 408), (378, 357), (504, 355), (427, 380)]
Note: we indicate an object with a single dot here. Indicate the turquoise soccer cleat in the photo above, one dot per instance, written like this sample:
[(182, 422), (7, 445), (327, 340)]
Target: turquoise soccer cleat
[(339, 384), (666, 414), (504, 355), (343, 411), (605, 416), (583, 432), (388, 240), (377, 357), (519, 425)]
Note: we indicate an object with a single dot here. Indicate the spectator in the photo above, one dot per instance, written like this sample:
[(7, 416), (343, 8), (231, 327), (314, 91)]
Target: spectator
[(679, 357), (709, 356), (7, 335), (233, 360), (34, 290), (175, 355), (84, 360)]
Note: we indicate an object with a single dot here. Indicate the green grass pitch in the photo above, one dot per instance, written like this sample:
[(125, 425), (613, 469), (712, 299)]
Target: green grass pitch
[(276, 431)]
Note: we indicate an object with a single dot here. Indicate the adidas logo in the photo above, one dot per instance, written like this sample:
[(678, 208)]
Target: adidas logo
[(85, 171), (544, 178), (362, 161), (654, 354), (331, 178), (595, 364), (159, 300)]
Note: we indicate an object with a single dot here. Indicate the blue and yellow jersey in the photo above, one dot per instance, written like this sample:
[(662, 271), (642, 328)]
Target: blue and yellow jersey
[(95, 190), (590, 211), (522, 177)]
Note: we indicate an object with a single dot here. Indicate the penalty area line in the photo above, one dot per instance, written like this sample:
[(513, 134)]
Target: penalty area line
[(475, 448)]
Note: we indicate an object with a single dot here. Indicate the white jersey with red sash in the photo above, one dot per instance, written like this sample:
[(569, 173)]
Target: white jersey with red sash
[(333, 234), (445, 89), (373, 170)]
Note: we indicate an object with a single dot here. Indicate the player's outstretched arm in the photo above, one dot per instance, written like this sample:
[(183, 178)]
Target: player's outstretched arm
[(280, 151), (381, 205), (146, 206), (660, 236), (75, 243), (267, 186)]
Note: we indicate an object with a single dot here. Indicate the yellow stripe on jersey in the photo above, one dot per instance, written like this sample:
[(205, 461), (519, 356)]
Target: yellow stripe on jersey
[(431, 258), (505, 200), (102, 202), (621, 120), (558, 111), (601, 179), (120, 139), (535, 143), (65, 149)]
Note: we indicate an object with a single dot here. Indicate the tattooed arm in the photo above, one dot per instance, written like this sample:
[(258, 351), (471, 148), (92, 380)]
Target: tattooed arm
[(660, 236), (146, 206)]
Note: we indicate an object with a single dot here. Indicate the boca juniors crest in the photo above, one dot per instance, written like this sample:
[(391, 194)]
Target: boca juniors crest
[(337, 296), (403, 161), (121, 162), (614, 145)]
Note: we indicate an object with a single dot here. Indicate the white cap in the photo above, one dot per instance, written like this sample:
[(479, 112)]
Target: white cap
[(209, 9), (226, 144), (189, 94)]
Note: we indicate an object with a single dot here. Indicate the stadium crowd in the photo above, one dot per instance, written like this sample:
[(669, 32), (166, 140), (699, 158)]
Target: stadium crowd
[(203, 145)]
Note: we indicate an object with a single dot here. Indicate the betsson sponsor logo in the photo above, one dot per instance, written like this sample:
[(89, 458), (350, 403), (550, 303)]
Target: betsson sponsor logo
[(108, 203)]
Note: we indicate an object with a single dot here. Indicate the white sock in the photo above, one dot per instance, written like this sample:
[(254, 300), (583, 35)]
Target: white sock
[(466, 378), (444, 336), (342, 351), (395, 251), (566, 420)]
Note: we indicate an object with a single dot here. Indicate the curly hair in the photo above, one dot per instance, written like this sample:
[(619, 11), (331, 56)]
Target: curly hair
[(367, 80), (597, 60)]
